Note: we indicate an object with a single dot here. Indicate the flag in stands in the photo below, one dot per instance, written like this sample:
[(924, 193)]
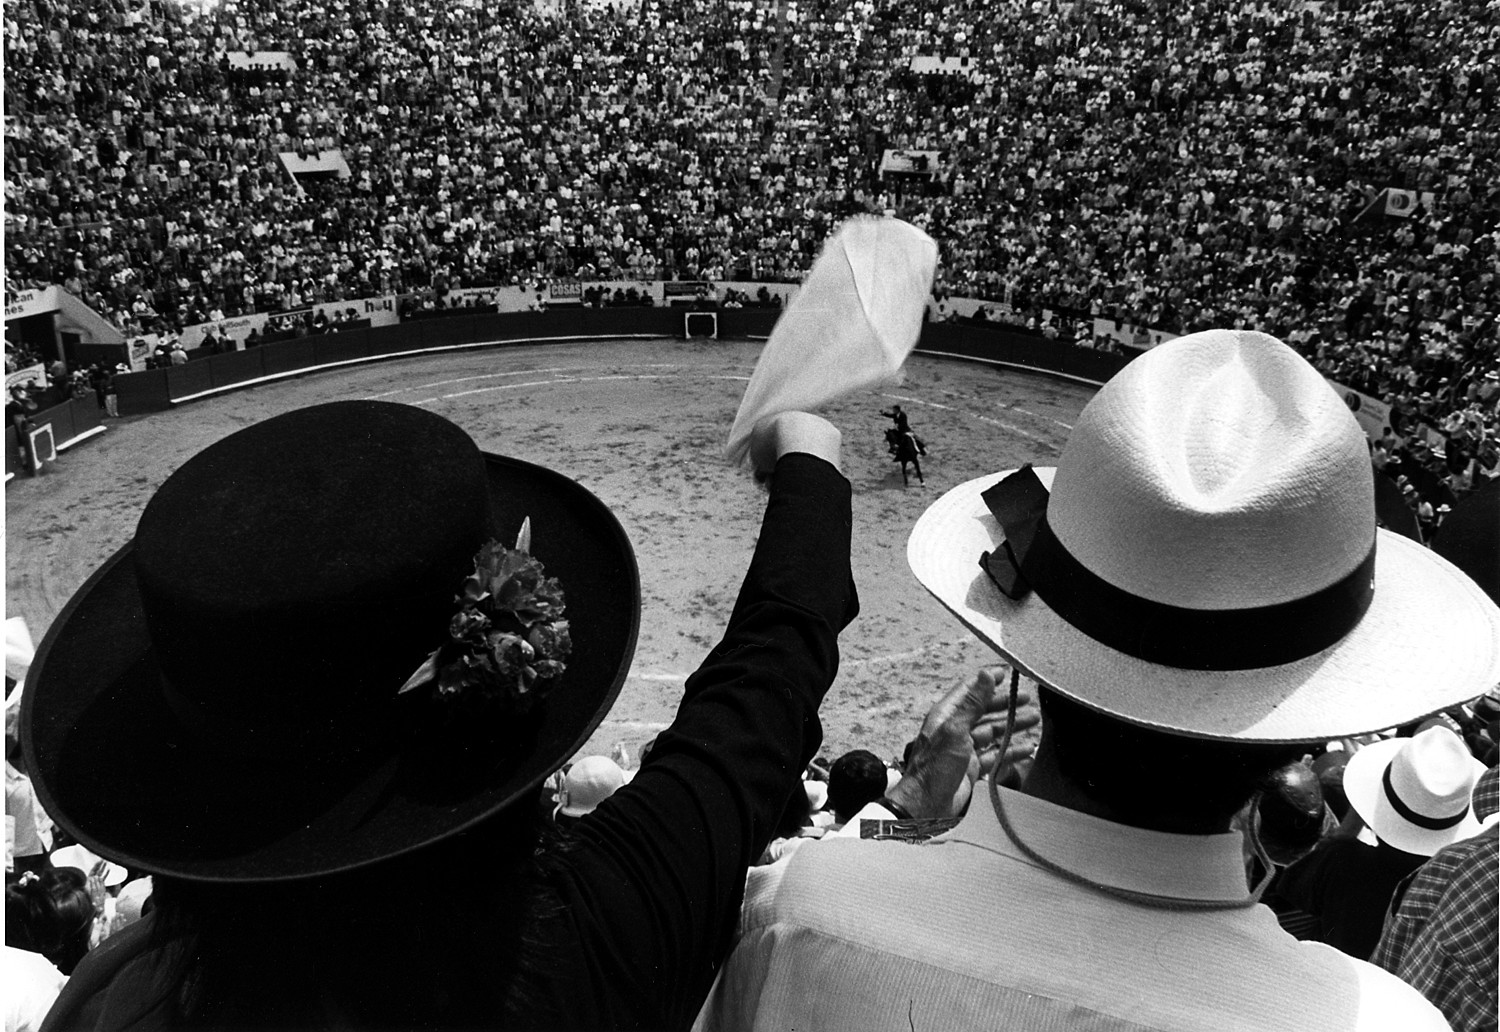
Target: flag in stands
[(1400, 202)]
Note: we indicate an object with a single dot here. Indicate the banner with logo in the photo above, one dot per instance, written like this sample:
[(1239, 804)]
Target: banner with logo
[(1373, 414), (141, 348), (36, 301), (236, 329), (1130, 335), (505, 299), (32, 376), (933, 65), (565, 292), (244, 60), (686, 288), (381, 311), (911, 162), (1400, 202), (642, 287)]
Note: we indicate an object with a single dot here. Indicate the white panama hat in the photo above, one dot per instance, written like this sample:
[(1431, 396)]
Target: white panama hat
[(589, 782), (1415, 793), (1211, 523)]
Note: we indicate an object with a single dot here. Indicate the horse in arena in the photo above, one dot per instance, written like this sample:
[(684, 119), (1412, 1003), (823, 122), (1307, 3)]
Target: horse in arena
[(906, 448)]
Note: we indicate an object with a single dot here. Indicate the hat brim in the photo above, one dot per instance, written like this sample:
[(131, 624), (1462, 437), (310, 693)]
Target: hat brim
[(1431, 639), (114, 767), (1365, 791)]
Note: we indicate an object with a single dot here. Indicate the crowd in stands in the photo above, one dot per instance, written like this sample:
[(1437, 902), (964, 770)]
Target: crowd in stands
[(1172, 166)]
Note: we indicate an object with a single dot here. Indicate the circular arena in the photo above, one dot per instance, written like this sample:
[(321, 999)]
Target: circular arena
[(1272, 714), (642, 425)]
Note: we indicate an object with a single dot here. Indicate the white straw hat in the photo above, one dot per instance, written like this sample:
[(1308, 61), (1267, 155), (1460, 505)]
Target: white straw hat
[(817, 793), (1211, 528), (590, 781), (84, 860), (1415, 793)]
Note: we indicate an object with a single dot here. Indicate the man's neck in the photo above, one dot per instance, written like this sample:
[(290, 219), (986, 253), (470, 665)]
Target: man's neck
[(1047, 781)]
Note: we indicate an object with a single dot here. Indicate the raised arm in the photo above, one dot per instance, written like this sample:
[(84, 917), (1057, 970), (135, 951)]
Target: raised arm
[(661, 866)]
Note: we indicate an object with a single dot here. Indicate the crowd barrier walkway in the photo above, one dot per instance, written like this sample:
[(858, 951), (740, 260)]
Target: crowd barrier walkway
[(154, 390)]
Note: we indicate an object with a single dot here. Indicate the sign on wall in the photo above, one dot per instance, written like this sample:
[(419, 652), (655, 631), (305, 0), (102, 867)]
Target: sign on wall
[(32, 375), (35, 301), (1374, 415)]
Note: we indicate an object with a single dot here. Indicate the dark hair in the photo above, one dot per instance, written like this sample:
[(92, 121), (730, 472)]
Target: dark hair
[(391, 945), (1329, 767), (50, 912), (856, 778), (1139, 771)]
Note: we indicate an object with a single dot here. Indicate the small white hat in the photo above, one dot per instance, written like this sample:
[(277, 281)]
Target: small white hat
[(19, 650), (1204, 560), (590, 781), (132, 899), (84, 860), (1415, 793), (817, 793)]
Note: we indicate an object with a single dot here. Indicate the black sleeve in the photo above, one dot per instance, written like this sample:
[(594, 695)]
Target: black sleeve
[(658, 872)]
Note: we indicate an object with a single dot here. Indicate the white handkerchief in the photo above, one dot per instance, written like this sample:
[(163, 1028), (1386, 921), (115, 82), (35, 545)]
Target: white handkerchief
[(858, 315)]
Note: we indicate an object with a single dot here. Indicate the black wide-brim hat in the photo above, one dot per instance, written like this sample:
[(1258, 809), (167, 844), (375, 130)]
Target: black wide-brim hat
[(221, 700)]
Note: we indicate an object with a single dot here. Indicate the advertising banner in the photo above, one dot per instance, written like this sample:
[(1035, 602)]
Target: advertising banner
[(911, 162), (505, 299), (565, 292), (32, 375), (1373, 414), (1400, 202), (35, 301), (244, 60), (381, 311), (933, 65), (1138, 338), (237, 329), (141, 348)]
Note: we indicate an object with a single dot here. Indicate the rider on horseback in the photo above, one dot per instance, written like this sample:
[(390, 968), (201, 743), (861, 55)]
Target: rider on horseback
[(904, 446)]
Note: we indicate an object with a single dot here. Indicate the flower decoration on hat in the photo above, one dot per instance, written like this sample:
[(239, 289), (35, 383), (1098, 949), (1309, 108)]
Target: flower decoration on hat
[(509, 642)]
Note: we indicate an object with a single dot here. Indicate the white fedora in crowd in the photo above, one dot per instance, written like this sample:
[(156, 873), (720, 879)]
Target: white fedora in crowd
[(1415, 793), (1204, 559), (589, 782), (85, 861)]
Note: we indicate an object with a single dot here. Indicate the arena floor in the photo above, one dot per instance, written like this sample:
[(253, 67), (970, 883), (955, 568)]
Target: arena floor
[(641, 424)]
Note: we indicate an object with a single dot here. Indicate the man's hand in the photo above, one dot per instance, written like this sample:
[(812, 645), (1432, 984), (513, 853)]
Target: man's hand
[(959, 742), (788, 432)]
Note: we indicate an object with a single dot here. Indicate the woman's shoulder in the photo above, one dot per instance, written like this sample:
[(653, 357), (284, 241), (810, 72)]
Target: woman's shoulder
[(117, 985)]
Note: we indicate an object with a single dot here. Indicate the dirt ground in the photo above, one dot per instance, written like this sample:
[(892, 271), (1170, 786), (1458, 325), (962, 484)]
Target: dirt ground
[(641, 424)]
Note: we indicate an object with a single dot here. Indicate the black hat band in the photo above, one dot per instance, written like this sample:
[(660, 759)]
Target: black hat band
[(1419, 819), (1032, 559)]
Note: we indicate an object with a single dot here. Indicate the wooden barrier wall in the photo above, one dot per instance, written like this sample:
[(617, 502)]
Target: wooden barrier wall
[(157, 389), (70, 420)]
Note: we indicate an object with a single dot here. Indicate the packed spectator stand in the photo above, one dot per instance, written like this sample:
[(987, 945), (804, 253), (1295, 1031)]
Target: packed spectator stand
[(1176, 168)]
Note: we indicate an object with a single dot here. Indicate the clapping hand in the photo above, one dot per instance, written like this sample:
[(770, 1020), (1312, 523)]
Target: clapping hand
[(960, 740), (95, 885)]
